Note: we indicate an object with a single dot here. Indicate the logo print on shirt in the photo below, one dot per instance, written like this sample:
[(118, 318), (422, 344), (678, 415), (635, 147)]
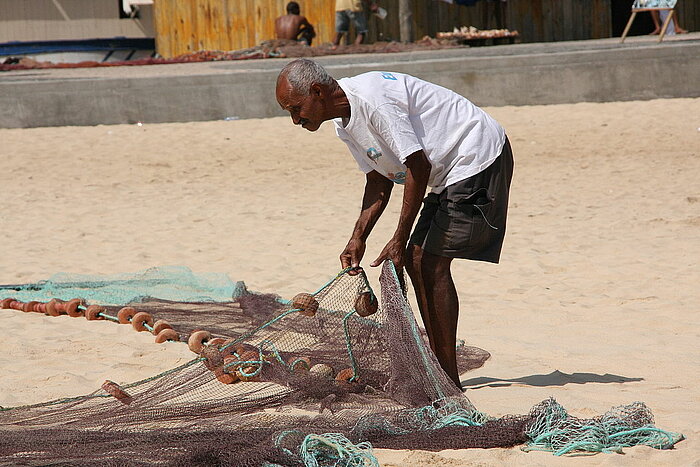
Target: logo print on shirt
[(373, 154), (387, 75), (399, 177)]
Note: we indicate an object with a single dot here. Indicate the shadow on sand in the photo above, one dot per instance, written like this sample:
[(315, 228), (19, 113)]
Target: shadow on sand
[(555, 378)]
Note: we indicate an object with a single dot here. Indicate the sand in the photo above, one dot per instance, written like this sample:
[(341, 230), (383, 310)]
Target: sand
[(595, 301)]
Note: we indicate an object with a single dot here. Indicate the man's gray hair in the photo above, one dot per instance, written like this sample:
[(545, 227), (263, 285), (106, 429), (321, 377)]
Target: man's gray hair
[(302, 73)]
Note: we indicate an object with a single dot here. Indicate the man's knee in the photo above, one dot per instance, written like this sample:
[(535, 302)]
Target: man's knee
[(434, 266)]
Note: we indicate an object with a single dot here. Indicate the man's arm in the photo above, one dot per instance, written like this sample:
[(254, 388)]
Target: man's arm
[(375, 198), (306, 26), (417, 174)]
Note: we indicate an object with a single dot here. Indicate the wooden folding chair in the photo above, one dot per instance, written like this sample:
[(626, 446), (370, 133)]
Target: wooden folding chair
[(662, 33)]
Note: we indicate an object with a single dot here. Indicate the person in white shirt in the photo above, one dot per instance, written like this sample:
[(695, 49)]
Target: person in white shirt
[(403, 130)]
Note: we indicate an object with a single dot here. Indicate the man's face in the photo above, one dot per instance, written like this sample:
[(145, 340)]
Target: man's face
[(307, 111)]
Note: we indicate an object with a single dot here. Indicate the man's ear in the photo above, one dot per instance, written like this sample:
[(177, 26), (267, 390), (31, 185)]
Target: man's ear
[(316, 90)]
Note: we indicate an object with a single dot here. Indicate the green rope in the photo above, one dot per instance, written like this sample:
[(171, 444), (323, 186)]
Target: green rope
[(109, 317), (334, 449), (242, 337), (555, 431)]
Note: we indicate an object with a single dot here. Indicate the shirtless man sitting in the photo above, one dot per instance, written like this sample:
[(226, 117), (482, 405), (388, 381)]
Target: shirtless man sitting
[(293, 26)]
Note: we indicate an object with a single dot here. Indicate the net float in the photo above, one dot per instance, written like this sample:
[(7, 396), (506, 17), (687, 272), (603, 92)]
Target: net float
[(125, 314), (92, 312), (197, 340), (346, 374), (117, 392), (305, 303), (140, 320), (366, 304), (159, 325), (168, 334)]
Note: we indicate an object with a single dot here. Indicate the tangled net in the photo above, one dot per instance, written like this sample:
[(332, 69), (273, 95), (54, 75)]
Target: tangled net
[(316, 381)]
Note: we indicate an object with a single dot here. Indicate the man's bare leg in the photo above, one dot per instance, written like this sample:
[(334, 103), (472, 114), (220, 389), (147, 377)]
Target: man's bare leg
[(336, 40), (359, 38), (657, 23), (442, 311), (414, 255)]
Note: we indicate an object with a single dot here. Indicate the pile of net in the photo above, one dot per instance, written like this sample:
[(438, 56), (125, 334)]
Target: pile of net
[(317, 381)]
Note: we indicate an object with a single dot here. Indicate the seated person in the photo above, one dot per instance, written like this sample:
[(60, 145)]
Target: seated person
[(293, 26), (656, 18)]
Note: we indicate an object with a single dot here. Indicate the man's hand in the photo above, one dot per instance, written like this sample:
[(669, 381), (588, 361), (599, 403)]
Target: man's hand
[(395, 250), (352, 255)]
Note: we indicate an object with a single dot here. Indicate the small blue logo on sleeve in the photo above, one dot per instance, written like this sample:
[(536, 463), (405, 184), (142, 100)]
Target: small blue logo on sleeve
[(373, 154), (387, 75)]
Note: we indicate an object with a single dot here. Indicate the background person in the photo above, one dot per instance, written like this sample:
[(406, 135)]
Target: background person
[(347, 11), (659, 19), (293, 26)]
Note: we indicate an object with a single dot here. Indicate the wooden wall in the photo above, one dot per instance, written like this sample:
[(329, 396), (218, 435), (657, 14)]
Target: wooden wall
[(188, 26), (184, 26), (45, 20), (535, 20)]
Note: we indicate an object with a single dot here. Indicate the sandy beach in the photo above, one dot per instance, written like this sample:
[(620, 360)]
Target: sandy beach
[(596, 301)]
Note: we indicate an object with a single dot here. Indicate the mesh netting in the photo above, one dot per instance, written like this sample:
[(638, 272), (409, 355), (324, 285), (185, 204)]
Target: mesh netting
[(316, 381)]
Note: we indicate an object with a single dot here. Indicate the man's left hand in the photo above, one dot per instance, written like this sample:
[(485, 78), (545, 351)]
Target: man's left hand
[(395, 250)]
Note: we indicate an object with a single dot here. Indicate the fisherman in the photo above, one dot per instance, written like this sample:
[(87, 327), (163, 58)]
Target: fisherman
[(403, 130)]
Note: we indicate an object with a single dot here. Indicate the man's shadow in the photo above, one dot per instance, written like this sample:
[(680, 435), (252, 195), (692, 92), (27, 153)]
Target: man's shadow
[(555, 378)]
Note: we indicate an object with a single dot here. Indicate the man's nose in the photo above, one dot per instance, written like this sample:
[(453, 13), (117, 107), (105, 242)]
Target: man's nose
[(295, 118)]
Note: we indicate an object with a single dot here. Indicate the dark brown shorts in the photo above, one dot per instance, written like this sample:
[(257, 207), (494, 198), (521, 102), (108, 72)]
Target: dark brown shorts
[(468, 219)]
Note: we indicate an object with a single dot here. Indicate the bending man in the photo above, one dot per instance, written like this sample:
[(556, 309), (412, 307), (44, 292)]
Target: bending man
[(402, 130)]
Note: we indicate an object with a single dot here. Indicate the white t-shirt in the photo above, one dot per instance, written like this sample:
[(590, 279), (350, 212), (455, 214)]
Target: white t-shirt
[(394, 115)]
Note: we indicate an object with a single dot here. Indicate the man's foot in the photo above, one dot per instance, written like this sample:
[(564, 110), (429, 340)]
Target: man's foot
[(655, 32), (681, 31)]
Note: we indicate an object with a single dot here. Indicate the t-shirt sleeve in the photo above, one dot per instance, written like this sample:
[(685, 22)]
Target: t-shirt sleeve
[(392, 124)]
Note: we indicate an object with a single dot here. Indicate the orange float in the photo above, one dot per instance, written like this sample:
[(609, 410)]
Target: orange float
[(125, 314), (215, 362), (160, 325), (243, 370), (305, 303), (346, 374), (366, 304), (197, 340), (51, 309), (167, 335), (117, 392), (92, 312), (71, 307), (29, 306), (141, 318)]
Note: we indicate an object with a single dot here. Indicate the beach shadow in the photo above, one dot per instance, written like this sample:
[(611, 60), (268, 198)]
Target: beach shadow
[(555, 378)]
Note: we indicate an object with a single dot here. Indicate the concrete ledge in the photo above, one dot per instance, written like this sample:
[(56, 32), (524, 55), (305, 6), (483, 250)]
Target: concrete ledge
[(525, 74)]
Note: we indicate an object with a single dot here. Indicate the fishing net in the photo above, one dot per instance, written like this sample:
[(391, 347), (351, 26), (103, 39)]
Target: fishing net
[(316, 381)]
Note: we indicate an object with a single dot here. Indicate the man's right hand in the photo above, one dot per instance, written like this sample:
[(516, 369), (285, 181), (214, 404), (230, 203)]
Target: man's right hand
[(352, 255)]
